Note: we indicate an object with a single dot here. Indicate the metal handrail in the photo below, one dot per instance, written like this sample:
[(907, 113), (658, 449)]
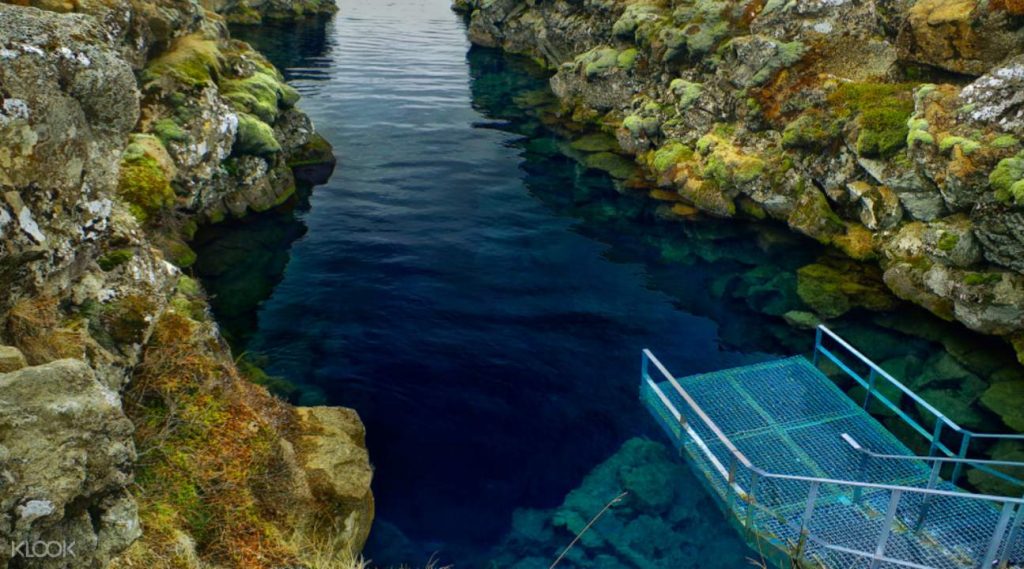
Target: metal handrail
[(944, 459), (906, 390), (742, 459), (896, 491)]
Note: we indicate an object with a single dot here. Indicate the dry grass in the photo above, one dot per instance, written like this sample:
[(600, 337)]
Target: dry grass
[(205, 439), (34, 326)]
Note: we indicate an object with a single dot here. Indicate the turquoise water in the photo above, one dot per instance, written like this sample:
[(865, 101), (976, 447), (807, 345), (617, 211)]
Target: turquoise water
[(482, 299)]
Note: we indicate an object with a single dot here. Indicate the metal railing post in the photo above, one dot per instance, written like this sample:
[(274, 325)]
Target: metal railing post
[(861, 475), (936, 433), (997, 535), (817, 345), (926, 503), (643, 367), (1012, 538), (883, 537), (731, 481), (964, 444), (880, 549), (755, 479), (812, 497), (871, 388)]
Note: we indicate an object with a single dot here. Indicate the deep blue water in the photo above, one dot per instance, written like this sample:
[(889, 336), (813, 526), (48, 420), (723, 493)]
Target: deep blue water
[(477, 295)]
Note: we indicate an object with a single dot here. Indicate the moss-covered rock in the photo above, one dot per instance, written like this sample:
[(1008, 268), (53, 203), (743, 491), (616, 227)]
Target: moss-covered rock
[(255, 137), (1007, 179), (262, 94), (836, 286), (1006, 399), (113, 259), (144, 185), (811, 130), (192, 60)]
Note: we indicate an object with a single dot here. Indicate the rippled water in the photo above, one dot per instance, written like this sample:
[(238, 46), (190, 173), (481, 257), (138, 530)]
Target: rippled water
[(477, 295)]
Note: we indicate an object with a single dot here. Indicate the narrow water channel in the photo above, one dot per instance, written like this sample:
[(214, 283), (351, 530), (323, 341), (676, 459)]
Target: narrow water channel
[(475, 293)]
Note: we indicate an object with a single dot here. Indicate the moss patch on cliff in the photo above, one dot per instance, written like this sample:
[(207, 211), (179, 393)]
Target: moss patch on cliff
[(262, 94), (255, 137), (144, 186), (1007, 179), (192, 60), (881, 110)]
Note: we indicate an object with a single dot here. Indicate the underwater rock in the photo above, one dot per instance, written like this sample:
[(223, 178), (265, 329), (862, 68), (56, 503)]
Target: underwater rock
[(833, 287), (662, 522)]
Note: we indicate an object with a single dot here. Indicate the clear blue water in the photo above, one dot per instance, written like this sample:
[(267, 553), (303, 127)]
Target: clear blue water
[(477, 295)]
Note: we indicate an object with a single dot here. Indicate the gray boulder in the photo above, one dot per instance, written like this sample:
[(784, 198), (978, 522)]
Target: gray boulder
[(66, 456)]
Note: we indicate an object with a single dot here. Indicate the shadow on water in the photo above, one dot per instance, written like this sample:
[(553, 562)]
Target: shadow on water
[(492, 350)]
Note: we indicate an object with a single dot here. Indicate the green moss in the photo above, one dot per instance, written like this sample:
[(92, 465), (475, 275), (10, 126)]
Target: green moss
[(598, 60), (633, 17), (731, 169), (686, 92), (922, 136), (1006, 179), (595, 142), (634, 124), (882, 111), (316, 151), (168, 131), (974, 279), (948, 241), (251, 367), (617, 166), (255, 137), (967, 146), (144, 186), (188, 286), (1004, 141), (669, 155), (626, 59), (192, 60), (883, 132), (261, 94), (810, 130), (179, 253), (113, 259)]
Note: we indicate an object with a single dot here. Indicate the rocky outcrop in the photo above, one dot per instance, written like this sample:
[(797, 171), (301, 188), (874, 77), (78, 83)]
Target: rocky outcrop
[(123, 125), (256, 11), (890, 131), (66, 459)]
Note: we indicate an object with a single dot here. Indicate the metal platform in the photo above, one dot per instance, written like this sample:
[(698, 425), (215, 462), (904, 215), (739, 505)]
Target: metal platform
[(810, 478)]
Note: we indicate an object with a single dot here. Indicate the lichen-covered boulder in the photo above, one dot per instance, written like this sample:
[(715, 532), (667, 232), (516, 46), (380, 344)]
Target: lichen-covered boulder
[(965, 36), (67, 104), (66, 458), (331, 450), (996, 99)]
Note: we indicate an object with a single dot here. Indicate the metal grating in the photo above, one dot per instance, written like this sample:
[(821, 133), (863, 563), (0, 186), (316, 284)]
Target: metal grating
[(786, 417)]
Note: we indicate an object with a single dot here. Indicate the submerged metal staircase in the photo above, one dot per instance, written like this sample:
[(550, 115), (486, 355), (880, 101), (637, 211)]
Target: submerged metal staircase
[(811, 479)]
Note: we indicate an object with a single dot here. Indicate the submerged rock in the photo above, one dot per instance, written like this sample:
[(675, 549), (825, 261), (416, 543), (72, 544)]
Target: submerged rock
[(662, 521)]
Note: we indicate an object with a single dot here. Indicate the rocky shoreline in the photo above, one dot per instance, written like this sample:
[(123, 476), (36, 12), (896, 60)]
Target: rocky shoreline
[(888, 130), (125, 424)]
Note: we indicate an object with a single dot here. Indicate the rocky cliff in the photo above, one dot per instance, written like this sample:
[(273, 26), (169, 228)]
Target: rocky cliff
[(890, 130), (123, 125)]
